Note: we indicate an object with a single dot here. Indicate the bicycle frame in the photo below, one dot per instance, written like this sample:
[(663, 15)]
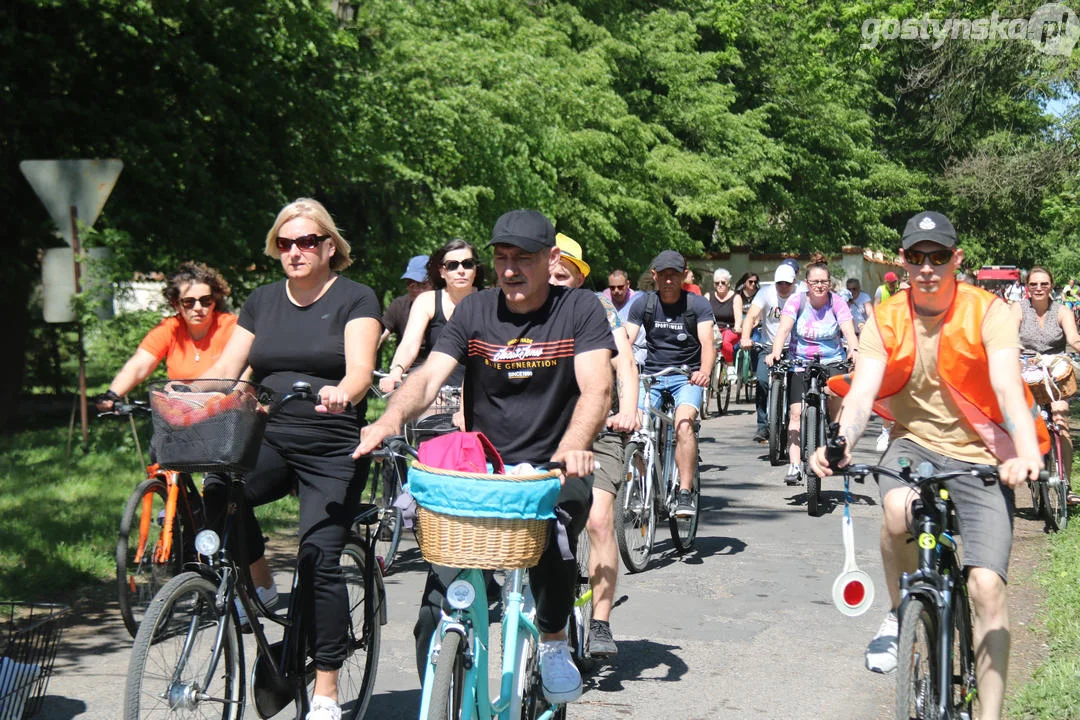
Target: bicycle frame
[(175, 490), (471, 622), (658, 435)]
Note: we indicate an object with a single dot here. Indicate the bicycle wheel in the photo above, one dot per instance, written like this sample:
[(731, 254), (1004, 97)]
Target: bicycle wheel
[(810, 419), (777, 425), (709, 391), (1053, 494), (723, 390), (916, 677), (582, 612), (179, 632), (447, 702), (388, 531), (963, 692), (140, 573), (635, 519), (684, 529), (356, 680)]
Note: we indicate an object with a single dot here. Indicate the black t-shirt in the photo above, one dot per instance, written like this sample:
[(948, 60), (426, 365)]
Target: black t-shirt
[(670, 344), (305, 343), (396, 316), (520, 387)]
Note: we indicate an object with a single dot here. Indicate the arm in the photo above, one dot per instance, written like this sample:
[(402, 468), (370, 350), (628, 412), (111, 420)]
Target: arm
[(418, 391), (234, 358), (631, 333), (786, 323), (847, 329), (361, 343), (592, 370), (737, 305), (868, 308), (700, 377), (423, 309), (1068, 324), (855, 411), (138, 367), (382, 338), (626, 385), (748, 326), (1009, 389)]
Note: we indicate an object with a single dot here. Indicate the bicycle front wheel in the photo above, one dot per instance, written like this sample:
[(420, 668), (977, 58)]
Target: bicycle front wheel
[(388, 531), (635, 518), (964, 694), (582, 612), (684, 528), (177, 668), (356, 679), (143, 566), (917, 689), (811, 418), (777, 423), (723, 389), (1054, 494), (447, 702)]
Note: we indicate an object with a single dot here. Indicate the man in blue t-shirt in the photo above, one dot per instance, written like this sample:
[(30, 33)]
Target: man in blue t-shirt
[(669, 343)]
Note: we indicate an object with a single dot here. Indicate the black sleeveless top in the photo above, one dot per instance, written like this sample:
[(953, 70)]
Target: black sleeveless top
[(723, 312), (431, 335)]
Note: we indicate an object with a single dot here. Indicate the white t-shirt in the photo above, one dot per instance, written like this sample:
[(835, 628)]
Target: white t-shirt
[(770, 306), (857, 307)]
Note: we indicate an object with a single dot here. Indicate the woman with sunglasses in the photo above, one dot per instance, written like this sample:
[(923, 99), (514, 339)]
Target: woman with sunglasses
[(189, 342), (728, 318), (1047, 327), (318, 327), (745, 291), (456, 273)]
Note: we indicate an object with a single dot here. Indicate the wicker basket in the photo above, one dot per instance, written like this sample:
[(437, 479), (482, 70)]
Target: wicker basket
[(1053, 378), (488, 543)]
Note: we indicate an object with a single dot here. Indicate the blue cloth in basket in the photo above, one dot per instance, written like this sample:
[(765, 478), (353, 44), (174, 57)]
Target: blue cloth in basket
[(475, 497)]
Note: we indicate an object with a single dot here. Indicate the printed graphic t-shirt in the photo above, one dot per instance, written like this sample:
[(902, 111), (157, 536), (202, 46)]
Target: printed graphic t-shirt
[(770, 305), (295, 343), (184, 357), (671, 344), (817, 330), (520, 386)]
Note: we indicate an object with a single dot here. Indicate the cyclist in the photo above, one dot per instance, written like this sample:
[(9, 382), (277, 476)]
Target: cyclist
[(622, 297), (678, 331), (1046, 327), (397, 312), (456, 273), (608, 449), (942, 359), (726, 317), (818, 322), (538, 384), (766, 308), (318, 327), (745, 290), (887, 289), (859, 303), (189, 342)]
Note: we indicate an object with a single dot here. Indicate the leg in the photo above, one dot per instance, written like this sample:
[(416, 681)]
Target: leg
[(1060, 410), (761, 395), (686, 451), (604, 551), (991, 637), (794, 436)]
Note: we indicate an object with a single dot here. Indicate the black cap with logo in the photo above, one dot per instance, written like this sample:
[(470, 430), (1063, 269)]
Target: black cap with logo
[(931, 226)]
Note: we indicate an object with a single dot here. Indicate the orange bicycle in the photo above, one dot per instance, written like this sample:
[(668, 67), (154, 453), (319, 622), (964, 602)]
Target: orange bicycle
[(157, 532)]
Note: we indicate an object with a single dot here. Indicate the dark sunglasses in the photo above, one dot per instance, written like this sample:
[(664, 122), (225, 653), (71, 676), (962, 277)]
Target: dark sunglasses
[(304, 242), (616, 287), (452, 265), (751, 281), (936, 258), (206, 301)]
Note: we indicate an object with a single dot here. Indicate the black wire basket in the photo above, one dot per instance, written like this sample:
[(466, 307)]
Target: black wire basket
[(206, 425), (32, 634)]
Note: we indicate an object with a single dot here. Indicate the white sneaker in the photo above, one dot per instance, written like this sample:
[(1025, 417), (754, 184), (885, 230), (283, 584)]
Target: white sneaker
[(323, 708), (269, 597), (558, 673), (881, 652), (883, 439)]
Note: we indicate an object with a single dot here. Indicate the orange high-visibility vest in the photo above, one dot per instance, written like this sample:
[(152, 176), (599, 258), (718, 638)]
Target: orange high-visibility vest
[(961, 363)]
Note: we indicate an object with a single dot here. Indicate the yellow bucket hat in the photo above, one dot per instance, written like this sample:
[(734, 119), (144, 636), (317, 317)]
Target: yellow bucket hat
[(571, 250)]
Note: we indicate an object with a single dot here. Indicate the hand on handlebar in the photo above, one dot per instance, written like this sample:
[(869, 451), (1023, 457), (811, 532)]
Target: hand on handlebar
[(579, 463), (699, 378), (388, 384), (746, 343), (371, 437), (332, 399), (1016, 471), (771, 358), (626, 421)]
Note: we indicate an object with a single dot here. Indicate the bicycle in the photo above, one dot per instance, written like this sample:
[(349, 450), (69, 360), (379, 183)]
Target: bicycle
[(779, 409), (745, 379), (157, 531), (936, 655), (456, 677), (1049, 500), (813, 426), (720, 384), (188, 656), (651, 489)]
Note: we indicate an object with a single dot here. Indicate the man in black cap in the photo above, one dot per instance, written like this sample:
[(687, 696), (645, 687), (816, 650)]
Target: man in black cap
[(538, 384), (679, 331), (942, 360)]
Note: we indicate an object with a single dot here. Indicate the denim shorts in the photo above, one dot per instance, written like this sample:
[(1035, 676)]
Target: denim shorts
[(984, 512), (679, 385)]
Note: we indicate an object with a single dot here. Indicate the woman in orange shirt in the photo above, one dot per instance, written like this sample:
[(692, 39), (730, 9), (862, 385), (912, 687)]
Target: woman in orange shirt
[(189, 342)]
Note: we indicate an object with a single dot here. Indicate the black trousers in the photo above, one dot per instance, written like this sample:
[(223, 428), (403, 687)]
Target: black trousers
[(329, 483), (552, 580)]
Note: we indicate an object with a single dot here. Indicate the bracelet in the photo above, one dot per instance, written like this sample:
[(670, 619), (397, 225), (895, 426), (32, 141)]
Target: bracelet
[(397, 366)]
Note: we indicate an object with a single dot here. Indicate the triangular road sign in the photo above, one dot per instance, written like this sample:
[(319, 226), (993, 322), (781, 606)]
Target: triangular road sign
[(59, 184)]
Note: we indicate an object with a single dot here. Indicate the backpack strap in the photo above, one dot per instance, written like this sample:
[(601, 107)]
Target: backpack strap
[(690, 316), (650, 313)]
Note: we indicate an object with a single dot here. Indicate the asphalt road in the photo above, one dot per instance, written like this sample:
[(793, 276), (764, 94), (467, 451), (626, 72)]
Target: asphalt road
[(742, 627)]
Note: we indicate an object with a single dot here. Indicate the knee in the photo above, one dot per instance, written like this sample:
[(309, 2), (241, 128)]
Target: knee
[(684, 429), (895, 508), (987, 592), (601, 520)]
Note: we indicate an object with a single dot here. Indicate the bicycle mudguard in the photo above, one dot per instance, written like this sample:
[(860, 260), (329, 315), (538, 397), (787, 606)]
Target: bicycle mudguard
[(269, 690)]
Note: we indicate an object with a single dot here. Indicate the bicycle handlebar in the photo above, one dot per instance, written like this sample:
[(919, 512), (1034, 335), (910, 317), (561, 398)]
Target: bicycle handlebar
[(682, 370), (136, 407)]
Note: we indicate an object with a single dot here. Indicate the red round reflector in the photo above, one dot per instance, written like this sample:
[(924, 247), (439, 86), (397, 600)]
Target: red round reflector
[(854, 593)]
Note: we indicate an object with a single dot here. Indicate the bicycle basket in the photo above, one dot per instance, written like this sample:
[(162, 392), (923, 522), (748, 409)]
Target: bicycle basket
[(32, 634), (472, 520), (206, 425), (428, 427), (1050, 378)]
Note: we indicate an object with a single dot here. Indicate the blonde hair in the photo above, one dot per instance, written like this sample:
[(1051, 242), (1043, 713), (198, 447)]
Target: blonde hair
[(314, 211)]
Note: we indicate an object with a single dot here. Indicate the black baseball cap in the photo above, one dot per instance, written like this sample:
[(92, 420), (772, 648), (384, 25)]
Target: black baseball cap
[(529, 230), (931, 226), (668, 260)]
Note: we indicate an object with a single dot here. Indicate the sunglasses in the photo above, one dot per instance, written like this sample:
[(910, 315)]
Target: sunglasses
[(452, 265), (304, 242), (206, 301), (936, 258), (616, 287), (751, 282)]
